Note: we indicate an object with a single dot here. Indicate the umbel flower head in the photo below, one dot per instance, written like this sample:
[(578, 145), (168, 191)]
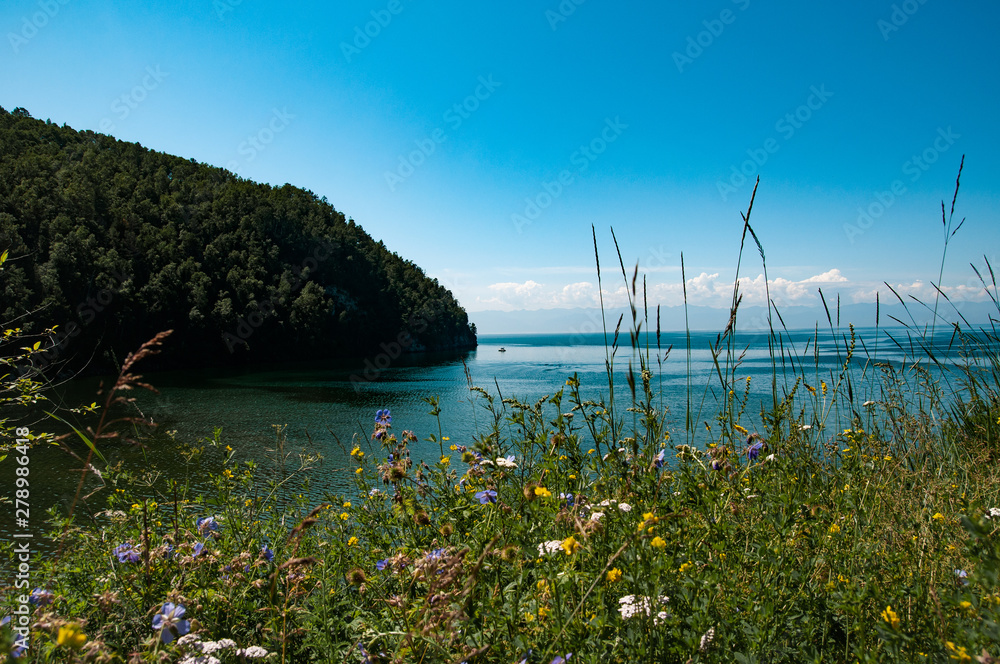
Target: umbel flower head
[(169, 621)]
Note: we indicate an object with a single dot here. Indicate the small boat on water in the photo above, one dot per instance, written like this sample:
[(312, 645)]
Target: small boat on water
[(502, 349)]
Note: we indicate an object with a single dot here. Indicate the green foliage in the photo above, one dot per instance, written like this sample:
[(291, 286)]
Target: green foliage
[(117, 242)]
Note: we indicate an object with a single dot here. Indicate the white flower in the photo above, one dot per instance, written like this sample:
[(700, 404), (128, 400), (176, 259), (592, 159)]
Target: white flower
[(190, 640), (211, 646), (507, 462), (630, 605), (596, 516), (706, 639), (606, 503), (552, 546), (253, 652), (805, 427), (624, 507), (868, 403), (994, 512), (200, 659)]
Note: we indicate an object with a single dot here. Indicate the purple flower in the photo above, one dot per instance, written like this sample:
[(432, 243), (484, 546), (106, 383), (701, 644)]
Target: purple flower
[(127, 553), (487, 496), (436, 554), (753, 452), (41, 597), (207, 524), (382, 564), (198, 548), (962, 577), (560, 659), (169, 622), (658, 459), (267, 553), (383, 417)]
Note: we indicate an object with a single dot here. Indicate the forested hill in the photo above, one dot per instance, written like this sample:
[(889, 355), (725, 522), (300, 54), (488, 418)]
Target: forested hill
[(114, 242)]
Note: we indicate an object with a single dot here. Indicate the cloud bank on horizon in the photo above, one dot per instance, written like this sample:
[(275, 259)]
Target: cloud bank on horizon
[(712, 291)]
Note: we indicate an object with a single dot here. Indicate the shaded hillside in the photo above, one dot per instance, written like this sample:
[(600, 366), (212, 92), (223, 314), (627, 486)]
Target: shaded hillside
[(114, 242)]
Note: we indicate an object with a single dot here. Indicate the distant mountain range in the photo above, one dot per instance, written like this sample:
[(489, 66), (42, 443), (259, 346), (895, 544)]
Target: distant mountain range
[(579, 320)]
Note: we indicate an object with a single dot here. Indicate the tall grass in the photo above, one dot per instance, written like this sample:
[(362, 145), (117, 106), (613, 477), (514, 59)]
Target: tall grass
[(851, 519)]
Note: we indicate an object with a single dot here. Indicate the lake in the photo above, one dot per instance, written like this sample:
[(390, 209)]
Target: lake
[(327, 407)]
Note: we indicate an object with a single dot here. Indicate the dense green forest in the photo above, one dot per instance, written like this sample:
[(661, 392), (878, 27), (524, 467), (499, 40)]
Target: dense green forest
[(112, 242)]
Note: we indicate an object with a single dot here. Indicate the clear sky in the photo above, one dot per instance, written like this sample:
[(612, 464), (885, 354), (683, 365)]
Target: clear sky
[(482, 140)]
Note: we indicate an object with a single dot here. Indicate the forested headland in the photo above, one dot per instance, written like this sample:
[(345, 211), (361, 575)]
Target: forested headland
[(111, 242)]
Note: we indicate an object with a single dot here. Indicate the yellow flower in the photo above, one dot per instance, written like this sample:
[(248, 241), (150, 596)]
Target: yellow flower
[(834, 529), (570, 545), (357, 452), (740, 429), (529, 617), (445, 438), (543, 492), (591, 450), (71, 636), (543, 611), (890, 617), (445, 460), (453, 447), (958, 653), (572, 477), (938, 516), (658, 542), (685, 567), (359, 471), (347, 504), (344, 516), (614, 575), (352, 541)]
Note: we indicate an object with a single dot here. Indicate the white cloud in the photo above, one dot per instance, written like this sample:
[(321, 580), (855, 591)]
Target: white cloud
[(711, 290)]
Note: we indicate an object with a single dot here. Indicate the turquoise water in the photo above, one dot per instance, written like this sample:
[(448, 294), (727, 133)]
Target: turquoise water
[(327, 408)]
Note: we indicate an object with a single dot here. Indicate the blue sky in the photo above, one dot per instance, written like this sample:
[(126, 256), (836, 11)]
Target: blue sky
[(482, 140)]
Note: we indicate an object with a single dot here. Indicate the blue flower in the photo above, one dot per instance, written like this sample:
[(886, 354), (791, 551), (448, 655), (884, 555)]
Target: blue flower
[(753, 452), (436, 554), (962, 577), (169, 622), (127, 553), (206, 524), (383, 417), (559, 659), (658, 459), (487, 496), (382, 564), (568, 497), (267, 553), (198, 548), (41, 597)]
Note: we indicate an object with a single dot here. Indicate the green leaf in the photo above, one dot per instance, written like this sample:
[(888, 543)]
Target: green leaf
[(79, 433)]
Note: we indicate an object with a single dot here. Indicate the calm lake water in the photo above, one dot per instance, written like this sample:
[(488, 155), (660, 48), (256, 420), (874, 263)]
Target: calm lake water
[(325, 408)]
